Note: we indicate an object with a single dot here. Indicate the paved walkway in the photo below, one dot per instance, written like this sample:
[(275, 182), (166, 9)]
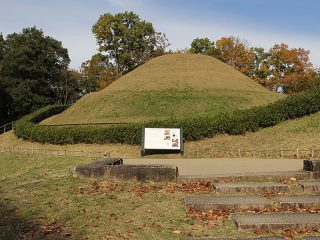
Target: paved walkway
[(207, 166)]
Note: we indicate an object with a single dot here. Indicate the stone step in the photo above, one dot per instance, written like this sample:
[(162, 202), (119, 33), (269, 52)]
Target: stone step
[(235, 238), (310, 185), (298, 201), (207, 202), (299, 175), (249, 238), (232, 187), (275, 221)]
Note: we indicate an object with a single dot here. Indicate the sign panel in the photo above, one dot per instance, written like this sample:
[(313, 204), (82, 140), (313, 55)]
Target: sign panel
[(162, 139)]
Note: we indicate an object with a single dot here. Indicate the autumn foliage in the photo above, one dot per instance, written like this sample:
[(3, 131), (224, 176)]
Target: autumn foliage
[(280, 66)]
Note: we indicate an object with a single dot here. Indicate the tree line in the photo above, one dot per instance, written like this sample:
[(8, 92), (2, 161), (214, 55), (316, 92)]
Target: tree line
[(282, 66), (34, 68)]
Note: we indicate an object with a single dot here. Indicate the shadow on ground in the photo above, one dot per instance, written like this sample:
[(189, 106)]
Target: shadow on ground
[(13, 226)]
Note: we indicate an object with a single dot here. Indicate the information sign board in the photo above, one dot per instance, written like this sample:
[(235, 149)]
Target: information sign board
[(162, 139)]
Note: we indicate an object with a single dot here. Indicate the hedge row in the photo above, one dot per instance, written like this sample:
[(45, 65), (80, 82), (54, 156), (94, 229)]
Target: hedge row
[(234, 123)]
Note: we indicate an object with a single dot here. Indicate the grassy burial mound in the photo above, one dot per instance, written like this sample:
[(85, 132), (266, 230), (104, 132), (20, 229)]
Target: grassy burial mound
[(170, 86)]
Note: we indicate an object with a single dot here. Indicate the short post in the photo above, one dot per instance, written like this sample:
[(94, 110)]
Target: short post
[(281, 153), (312, 153), (239, 152), (297, 152)]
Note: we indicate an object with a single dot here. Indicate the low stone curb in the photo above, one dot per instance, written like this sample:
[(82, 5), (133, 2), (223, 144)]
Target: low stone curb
[(249, 238), (114, 168), (208, 202), (245, 187), (298, 201), (234, 238), (299, 175), (252, 222), (310, 185)]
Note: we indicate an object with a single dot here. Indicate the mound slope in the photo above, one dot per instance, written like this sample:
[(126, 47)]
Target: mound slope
[(176, 85)]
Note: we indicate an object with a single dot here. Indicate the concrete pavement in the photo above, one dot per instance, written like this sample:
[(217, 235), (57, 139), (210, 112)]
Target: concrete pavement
[(207, 166)]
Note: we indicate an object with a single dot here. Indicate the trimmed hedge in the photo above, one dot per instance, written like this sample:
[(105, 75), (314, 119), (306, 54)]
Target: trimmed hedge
[(195, 128)]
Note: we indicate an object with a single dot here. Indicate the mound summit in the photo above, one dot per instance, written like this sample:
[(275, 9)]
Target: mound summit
[(175, 85)]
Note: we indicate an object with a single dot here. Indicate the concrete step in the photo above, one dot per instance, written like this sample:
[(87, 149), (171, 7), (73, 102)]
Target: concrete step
[(310, 185), (275, 221), (234, 238), (298, 201), (232, 187), (207, 202), (249, 238), (299, 175)]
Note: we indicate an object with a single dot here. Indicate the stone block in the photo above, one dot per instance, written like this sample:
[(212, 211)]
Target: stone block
[(235, 238), (207, 202), (312, 166), (313, 186), (109, 161), (253, 222), (298, 201), (114, 168), (96, 169), (250, 187), (267, 176), (158, 173)]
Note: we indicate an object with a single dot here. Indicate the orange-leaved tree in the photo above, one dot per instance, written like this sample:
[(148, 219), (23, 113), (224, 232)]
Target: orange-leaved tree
[(237, 54), (288, 66)]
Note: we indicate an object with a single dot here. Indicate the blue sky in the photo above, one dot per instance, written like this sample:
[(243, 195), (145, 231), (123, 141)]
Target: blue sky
[(259, 22)]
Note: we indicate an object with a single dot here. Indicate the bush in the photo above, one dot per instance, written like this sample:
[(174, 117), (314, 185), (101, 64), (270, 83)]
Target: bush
[(195, 128)]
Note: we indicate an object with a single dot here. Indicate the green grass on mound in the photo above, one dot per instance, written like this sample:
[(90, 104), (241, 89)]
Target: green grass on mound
[(177, 85), (129, 107)]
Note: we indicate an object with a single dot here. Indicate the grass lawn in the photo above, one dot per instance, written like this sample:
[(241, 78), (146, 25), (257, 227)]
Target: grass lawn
[(39, 199)]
